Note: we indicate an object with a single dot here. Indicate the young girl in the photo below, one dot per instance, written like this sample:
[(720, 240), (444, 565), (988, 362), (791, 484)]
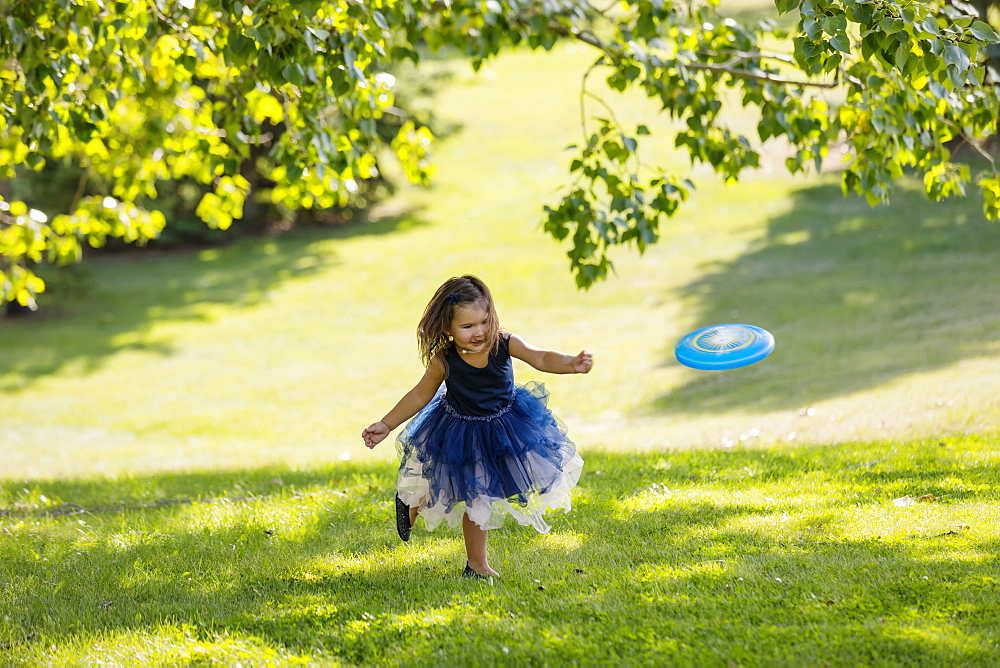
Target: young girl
[(480, 447)]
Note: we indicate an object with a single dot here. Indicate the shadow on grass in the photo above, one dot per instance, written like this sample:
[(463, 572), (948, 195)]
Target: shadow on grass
[(306, 562), (855, 297), (139, 289)]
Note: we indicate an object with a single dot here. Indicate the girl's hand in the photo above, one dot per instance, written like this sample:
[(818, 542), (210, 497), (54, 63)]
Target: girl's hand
[(375, 434), (582, 363)]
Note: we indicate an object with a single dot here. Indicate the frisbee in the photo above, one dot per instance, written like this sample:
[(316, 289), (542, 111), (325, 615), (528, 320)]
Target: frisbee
[(721, 347)]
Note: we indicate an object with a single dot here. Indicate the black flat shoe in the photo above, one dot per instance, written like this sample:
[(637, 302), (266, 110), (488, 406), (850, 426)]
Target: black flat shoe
[(472, 575), (402, 519)]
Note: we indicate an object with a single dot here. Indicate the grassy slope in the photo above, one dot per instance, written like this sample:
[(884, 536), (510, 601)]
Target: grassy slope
[(281, 350)]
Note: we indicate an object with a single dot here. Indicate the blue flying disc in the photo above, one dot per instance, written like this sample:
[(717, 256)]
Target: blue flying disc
[(721, 347)]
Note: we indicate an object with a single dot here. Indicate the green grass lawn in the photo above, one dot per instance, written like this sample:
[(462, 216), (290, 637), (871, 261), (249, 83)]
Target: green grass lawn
[(279, 351), (775, 556), (183, 480)]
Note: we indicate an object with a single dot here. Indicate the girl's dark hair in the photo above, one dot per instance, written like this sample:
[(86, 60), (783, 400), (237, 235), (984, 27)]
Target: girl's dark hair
[(432, 337)]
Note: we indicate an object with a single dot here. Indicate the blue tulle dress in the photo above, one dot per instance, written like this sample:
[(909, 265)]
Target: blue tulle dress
[(487, 448)]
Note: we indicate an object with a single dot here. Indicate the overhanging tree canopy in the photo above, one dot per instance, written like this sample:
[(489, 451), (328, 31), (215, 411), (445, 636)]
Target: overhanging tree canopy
[(148, 90)]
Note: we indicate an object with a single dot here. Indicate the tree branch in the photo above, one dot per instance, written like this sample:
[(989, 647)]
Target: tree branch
[(725, 68), (971, 144)]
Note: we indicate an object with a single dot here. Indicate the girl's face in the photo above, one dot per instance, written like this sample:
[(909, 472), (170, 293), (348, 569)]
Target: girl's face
[(470, 328)]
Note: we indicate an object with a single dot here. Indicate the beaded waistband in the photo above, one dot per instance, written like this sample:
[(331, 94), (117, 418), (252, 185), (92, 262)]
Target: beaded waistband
[(477, 418)]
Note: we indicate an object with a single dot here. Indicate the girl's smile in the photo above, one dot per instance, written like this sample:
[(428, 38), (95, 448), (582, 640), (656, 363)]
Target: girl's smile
[(469, 328)]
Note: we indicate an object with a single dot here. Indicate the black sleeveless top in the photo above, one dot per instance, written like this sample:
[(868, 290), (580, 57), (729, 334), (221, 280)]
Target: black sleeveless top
[(480, 392)]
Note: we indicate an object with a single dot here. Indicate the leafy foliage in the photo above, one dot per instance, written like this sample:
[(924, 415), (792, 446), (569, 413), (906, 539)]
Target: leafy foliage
[(911, 76), (140, 93)]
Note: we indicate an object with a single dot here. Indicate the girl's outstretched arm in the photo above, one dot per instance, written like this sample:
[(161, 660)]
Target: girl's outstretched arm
[(550, 361), (408, 406)]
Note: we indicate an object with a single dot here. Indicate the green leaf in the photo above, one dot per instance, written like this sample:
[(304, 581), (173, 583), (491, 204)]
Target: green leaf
[(984, 31), (990, 188), (957, 77), (785, 6), (869, 46), (956, 56), (841, 43), (902, 56)]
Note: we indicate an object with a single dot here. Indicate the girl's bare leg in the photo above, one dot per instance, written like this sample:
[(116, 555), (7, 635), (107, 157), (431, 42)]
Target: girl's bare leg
[(475, 546)]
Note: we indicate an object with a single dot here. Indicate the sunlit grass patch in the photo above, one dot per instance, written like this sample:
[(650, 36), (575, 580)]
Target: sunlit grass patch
[(783, 556), (179, 645), (560, 541)]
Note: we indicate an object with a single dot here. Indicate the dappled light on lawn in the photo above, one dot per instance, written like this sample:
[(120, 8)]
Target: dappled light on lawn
[(186, 644), (562, 542), (738, 552)]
